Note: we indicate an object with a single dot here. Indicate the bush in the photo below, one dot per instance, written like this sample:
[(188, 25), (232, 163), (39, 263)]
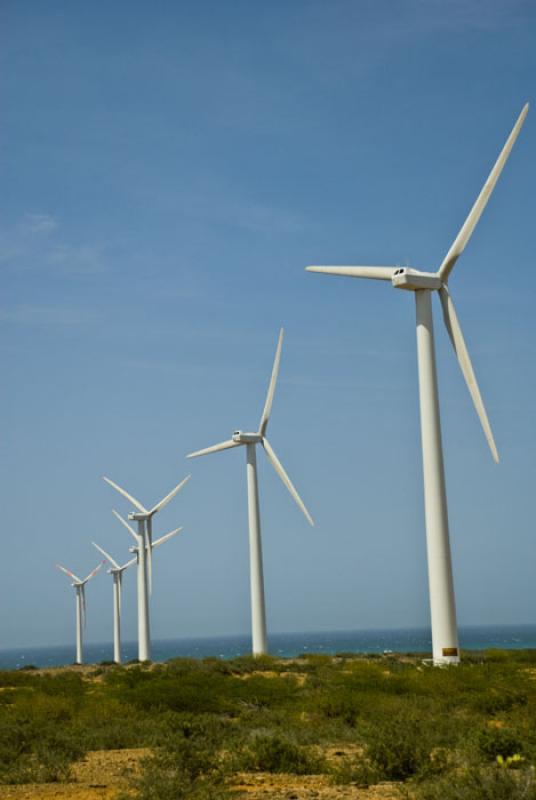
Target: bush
[(275, 754), (357, 771), (175, 688), (35, 752), (188, 766), (342, 705), (404, 745), (493, 741), (479, 784)]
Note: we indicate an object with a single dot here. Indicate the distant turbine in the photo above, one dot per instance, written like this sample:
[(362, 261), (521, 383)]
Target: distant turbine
[(258, 610), (80, 588), (117, 573), (144, 542), (442, 603)]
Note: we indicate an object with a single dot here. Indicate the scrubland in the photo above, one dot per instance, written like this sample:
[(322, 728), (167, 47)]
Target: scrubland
[(310, 727)]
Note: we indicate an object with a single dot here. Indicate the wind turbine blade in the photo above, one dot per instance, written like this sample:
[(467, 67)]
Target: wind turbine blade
[(106, 555), (169, 496), (375, 273), (69, 573), (271, 388), (164, 538), (456, 337), (458, 246), (149, 550), (285, 478), (135, 503), (131, 562), (126, 525), (83, 593), (215, 448), (93, 572)]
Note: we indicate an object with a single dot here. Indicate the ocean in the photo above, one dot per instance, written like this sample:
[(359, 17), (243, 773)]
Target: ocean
[(280, 644)]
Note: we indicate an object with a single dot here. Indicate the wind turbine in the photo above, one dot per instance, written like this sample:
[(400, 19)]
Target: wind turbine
[(251, 440), (144, 543), (442, 603), (80, 589), (117, 573)]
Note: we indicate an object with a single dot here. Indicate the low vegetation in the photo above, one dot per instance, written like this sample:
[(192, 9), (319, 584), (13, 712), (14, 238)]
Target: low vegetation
[(466, 732)]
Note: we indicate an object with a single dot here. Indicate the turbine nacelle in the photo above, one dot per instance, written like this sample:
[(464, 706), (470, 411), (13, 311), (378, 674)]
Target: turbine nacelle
[(138, 516), (413, 280), (239, 437), (116, 570)]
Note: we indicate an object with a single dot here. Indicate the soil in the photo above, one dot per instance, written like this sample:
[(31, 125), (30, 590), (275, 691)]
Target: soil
[(102, 774), (263, 786)]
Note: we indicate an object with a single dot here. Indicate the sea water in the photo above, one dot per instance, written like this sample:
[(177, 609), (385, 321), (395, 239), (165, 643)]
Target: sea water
[(417, 640)]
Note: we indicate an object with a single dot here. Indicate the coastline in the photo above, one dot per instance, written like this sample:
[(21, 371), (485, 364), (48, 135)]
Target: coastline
[(284, 645)]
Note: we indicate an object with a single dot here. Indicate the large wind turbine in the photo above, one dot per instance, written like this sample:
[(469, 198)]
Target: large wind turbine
[(80, 589), (251, 440), (117, 573), (144, 542), (442, 603)]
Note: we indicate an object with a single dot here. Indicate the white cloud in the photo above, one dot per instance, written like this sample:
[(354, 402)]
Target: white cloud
[(40, 223), (33, 244)]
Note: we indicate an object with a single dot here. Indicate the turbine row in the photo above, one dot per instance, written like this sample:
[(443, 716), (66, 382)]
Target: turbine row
[(142, 550), (442, 601)]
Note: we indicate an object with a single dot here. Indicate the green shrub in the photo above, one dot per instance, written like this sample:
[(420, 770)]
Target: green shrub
[(493, 742), (355, 770), (175, 689), (342, 705), (245, 664), (499, 699), (35, 752), (403, 745), (188, 766), (276, 754), (479, 784)]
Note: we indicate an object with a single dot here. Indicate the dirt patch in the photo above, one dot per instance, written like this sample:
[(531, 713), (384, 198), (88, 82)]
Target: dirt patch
[(337, 753), (300, 677), (98, 776), (102, 774), (264, 786)]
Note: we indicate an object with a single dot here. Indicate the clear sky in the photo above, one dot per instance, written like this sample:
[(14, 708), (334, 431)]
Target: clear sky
[(168, 169)]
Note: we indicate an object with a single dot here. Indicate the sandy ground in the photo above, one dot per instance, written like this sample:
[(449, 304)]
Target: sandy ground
[(102, 774), (307, 787), (98, 776)]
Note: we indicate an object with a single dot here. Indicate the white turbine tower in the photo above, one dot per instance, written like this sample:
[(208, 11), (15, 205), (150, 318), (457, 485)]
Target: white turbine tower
[(251, 440), (144, 543), (442, 603), (116, 572), (80, 589)]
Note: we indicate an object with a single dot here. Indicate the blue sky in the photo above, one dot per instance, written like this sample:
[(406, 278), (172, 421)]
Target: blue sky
[(168, 170)]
